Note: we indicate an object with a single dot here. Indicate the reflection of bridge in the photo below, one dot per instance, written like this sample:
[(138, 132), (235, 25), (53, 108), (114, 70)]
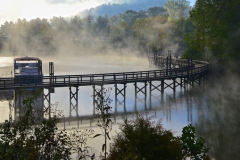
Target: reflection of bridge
[(178, 72)]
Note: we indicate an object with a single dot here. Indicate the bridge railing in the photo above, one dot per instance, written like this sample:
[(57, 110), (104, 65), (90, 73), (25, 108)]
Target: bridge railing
[(100, 79)]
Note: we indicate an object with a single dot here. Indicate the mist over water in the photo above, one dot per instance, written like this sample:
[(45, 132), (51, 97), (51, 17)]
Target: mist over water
[(218, 111), (212, 108)]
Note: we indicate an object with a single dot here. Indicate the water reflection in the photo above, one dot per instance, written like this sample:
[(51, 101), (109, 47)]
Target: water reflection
[(213, 108), (218, 111)]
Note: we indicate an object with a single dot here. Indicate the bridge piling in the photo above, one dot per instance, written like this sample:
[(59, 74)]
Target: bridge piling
[(73, 101), (162, 85), (143, 90), (47, 98), (121, 92)]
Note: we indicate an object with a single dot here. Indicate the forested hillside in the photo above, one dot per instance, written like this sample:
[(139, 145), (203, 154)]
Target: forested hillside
[(141, 31), (210, 31), (115, 9)]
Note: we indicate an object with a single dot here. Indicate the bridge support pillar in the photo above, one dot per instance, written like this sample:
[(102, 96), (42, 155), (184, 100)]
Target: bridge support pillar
[(11, 108), (142, 90), (162, 85), (18, 104), (121, 92), (181, 83), (73, 101), (95, 91), (20, 96), (200, 78), (47, 98), (174, 84), (153, 87), (150, 94), (189, 108), (171, 85)]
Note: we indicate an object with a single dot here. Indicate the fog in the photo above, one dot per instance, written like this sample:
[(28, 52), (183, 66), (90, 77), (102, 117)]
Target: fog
[(11, 10), (213, 108)]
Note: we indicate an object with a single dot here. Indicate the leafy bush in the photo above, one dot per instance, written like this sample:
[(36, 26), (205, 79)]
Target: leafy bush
[(142, 139)]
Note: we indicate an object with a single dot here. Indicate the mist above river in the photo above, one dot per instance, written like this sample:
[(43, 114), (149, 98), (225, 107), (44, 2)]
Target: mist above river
[(213, 107)]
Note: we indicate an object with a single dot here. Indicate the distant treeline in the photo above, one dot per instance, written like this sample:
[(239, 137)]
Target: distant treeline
[(145, 31), (208, 31), (112, 9)]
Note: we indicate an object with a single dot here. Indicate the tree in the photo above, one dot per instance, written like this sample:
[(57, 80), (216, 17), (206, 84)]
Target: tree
[(104, 121), (143, 139), (216, 30), (177, 9), (34, 137), (178, 32), (192, 146), (76, 26), (119, 33), (102, 26), (157, 11), (88, 25), (130, 16), (59, 24), (40, 36), (151, 32)]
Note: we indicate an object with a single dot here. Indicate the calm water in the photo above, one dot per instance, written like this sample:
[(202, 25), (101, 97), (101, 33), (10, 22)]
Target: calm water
[(213, 108)]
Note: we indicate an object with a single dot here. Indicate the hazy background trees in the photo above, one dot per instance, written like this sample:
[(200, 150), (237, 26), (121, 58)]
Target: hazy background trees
[(88, 34), (210, 33)]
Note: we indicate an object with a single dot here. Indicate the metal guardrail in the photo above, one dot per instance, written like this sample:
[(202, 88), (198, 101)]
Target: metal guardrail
[(101, 79)]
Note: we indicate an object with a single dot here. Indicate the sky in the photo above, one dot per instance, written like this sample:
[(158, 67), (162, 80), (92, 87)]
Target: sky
[(11, 10)]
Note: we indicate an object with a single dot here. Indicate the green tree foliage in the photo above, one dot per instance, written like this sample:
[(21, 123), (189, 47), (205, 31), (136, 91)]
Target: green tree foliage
[(217, 30), (177, 9), (141, 30), (88, 25), (76, 26), (178, 33), (157, 11), (151, 33), (193, 147), (33, 137), (143, 139), (104, 121), (24, 36), (119, 34), (39, 36), (101, 26), (59, 24), (130, 16)]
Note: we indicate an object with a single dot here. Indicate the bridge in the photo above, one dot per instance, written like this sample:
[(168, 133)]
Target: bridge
[(178, 69), (178, 72)]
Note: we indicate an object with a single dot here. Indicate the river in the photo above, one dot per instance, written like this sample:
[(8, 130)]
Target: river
[(212, 108)]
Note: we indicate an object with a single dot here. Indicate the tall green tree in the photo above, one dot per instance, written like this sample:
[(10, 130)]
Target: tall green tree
[(89, 25), (151, 32), (76, 25), (177, 9), (193, 147), (101, 26), (119, 33), (217, 24)]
